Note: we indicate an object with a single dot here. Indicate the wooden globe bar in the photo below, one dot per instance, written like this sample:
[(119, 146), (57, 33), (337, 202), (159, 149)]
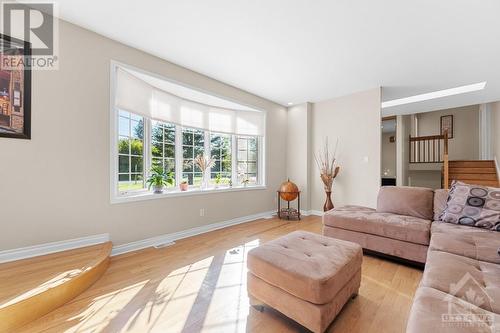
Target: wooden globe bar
[(288, 192)]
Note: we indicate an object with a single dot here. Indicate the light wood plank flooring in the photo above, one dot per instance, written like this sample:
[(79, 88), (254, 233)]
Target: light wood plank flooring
[(199, 285)]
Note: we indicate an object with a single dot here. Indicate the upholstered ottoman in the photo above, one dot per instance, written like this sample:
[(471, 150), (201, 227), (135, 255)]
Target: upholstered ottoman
[(307, 277)]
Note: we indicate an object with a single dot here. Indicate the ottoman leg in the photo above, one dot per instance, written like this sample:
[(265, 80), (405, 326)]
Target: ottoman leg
[(256, 304)]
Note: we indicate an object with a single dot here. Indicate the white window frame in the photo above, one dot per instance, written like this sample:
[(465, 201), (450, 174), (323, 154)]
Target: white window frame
[(139, 195)]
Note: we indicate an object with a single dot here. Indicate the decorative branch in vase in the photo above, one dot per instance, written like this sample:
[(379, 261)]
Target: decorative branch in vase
[(328, 170), (204, 163)]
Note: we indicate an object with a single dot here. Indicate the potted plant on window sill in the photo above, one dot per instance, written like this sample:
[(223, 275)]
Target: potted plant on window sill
[(245, 182), (184, 185), (159, 179), (218, 179)]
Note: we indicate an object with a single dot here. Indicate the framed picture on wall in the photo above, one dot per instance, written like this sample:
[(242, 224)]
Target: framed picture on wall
[(15, 88), (447, 125)]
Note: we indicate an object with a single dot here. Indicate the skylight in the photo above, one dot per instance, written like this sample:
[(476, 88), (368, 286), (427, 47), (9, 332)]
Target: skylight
[(435, 94)]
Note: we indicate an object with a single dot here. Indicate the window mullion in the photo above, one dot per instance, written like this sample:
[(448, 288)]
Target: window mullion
[(178, 154), (234, 159), (147, 148), (208, 153)]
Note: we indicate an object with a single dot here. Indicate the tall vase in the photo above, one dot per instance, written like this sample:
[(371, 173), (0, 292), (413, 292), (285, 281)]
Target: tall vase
[(328, 203)]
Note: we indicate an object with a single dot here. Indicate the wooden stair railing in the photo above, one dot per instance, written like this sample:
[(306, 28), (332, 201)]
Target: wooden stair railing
[(431, 149)]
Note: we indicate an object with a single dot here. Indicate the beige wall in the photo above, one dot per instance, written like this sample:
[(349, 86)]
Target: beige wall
[(495, 132), (465, 143), (56, 186), (355, 121), (388, 155), (299, 151)]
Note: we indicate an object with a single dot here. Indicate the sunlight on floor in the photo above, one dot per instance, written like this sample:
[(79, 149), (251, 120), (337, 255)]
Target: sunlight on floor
[(209, 295)]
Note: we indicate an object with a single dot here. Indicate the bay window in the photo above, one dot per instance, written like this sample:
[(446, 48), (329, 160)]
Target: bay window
[(156, 128)]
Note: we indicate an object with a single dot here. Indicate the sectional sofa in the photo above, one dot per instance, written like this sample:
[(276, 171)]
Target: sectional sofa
[(460, 287)]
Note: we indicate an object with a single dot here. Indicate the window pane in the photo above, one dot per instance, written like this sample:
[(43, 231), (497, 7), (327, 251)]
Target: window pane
[(199, 139), (169, 151), (137, 129), (136, 147), (197, 179), (187, 152), (136, 164), (226, 165), (188, 177), (124, 126), (123, 177), (252, 167), (123, 145), (188, 166), (242, 155), (157, 149), (157, 162), (242, 143), (170, 134), (252, 155), (187, 138), (198, 151), (157, 132), (124, 164)]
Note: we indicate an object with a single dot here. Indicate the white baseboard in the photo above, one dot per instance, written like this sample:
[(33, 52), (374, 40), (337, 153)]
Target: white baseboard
[(311, 212), (47, 248), (168, 238)]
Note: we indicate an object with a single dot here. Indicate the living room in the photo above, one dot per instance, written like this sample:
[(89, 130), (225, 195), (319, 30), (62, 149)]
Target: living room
[(194, 166)]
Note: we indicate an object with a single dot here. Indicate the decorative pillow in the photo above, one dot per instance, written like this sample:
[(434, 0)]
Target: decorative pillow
[(473, 205)]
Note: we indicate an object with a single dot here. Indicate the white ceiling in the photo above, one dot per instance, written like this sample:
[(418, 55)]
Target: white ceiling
[(313, 50)]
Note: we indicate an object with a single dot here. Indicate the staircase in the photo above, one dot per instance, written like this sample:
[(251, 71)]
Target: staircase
[(31, 288), (473, 172)]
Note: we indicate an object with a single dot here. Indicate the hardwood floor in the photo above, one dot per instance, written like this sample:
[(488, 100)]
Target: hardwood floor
[(199, 285)]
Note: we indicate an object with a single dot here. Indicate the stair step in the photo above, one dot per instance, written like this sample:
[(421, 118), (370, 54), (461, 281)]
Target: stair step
[(472, 170), (472, 164), (31, 288), (473, 176), (491, 183)]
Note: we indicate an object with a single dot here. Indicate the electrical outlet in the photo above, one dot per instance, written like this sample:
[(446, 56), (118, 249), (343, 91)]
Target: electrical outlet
[(202, 211)]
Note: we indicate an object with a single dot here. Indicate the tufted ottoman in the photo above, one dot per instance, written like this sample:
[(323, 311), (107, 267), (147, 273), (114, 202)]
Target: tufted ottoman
[(305, 276)]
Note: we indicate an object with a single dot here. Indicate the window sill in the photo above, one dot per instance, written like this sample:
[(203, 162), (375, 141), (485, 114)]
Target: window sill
[(148, 195)]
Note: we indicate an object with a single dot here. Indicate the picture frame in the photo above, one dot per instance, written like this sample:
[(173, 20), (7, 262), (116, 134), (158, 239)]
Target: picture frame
[(447, 125), (15, 88)]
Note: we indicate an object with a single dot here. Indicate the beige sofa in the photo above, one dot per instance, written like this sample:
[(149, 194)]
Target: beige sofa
[(460, 288)]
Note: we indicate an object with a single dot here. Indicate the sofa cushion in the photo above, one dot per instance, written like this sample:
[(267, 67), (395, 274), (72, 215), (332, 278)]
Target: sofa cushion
[(309, 266), (473, 205), (403, 200), (440, 199), (475, 243), (436, 311), (400, 227), (474, 281)]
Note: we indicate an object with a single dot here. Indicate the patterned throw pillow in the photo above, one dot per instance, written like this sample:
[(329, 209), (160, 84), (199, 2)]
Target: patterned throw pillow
[(473, 205)]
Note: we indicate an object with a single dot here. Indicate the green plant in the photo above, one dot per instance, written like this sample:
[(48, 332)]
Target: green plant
[(245, 181), (159, 178), (218, 178)]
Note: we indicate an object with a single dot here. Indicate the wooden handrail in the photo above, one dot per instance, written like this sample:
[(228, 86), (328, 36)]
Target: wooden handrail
[(431, 149), (426, 138)]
